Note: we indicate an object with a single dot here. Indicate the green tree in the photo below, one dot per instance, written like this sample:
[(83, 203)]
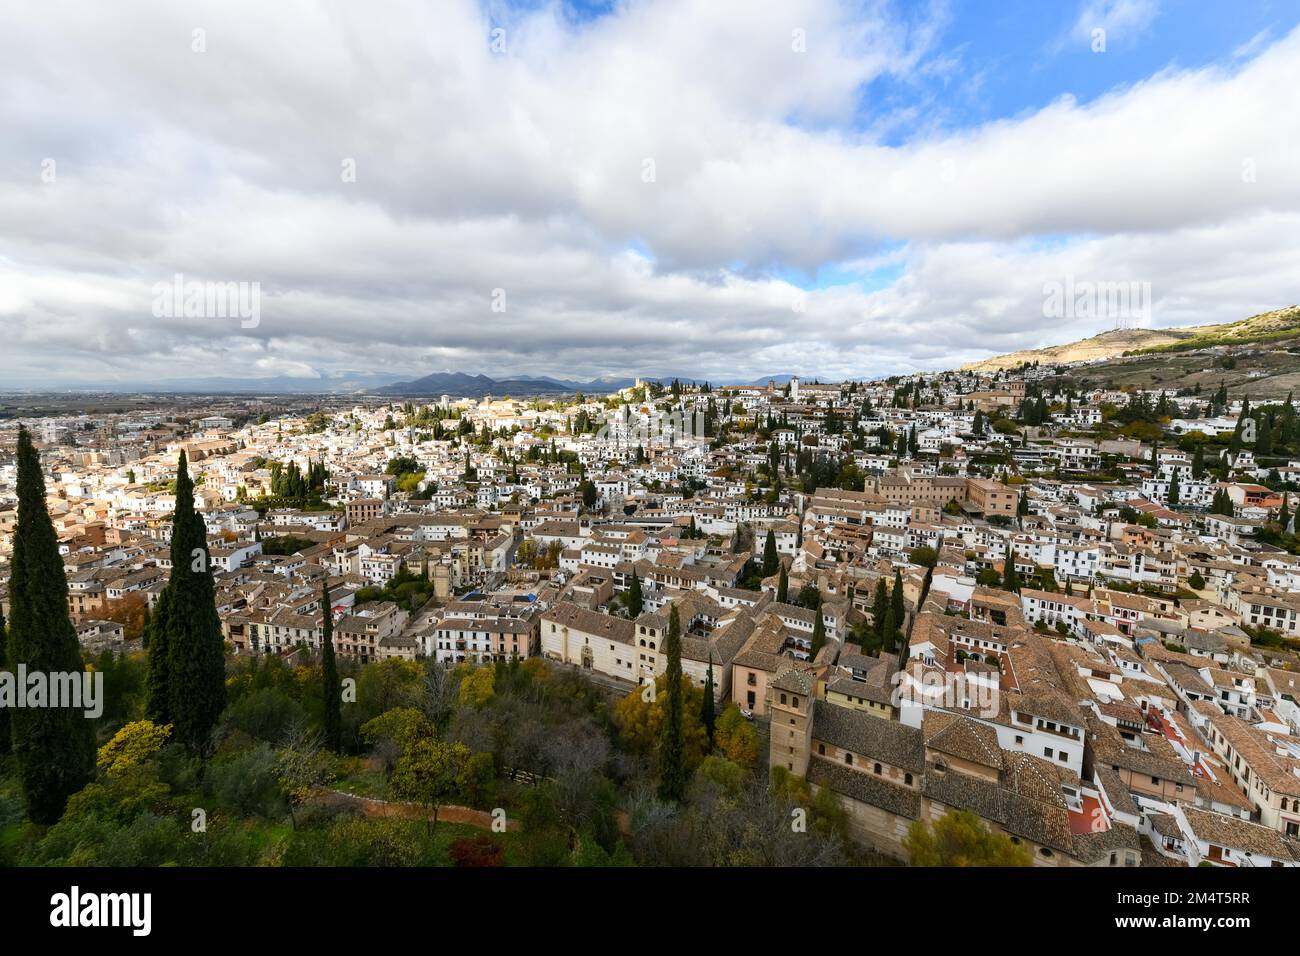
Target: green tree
[(331, 687), (880, 607), (923, 556), (301, 766), (770, 560), (6, 734), (1010, 576), (708, 713), (896, 600), (889, 629), (635, 599), (783, 586), (196, 666), (672, 756), (1234, 444), (55, 746), (158, 702), (1173, 489), (429, 773), (736, 737), (960, 838), (819, 633)]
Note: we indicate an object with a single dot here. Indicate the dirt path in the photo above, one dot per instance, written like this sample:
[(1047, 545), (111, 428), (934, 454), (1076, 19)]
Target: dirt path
[(374, 807)]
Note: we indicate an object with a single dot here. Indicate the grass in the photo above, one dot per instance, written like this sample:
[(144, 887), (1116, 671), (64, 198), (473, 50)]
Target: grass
[(357, 777)]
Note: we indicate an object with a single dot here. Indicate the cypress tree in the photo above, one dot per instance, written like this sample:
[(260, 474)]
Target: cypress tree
[(889, 629), (783, 587), (708, 707), (196, 665), (1173, 489), (635, 601), (1010, 578), (55, 746), (1263, 435), (925, 589), (770, 559), (896, 599), (158, 704), (331, 687), (6, 735), (819, 633), (672, 742), (1234, 444), (879, 608)]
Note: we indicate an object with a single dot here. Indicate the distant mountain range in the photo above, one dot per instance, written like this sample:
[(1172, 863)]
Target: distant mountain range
[(476, 386), (458, 384), (455, 384)]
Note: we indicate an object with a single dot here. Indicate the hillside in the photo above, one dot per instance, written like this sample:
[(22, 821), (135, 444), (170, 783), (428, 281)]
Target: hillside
[(1270, 327)]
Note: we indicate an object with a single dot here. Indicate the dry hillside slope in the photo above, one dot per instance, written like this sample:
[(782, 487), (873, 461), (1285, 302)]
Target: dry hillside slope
[(1278, 325)]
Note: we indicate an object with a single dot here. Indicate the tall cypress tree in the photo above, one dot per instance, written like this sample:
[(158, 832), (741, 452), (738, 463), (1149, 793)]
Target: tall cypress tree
[(708, 711), (635, 600), (889, 629), (1010, 578), (158, 704), (196, 663), (819, 632), (331, 688), (896, 600), (672, 742), (55, 746), (6, 735), (1234, 443), (770, 559), (880, 607), (783, 587)]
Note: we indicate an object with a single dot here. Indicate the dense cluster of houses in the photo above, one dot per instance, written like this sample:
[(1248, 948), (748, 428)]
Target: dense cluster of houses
[(1075, 659)]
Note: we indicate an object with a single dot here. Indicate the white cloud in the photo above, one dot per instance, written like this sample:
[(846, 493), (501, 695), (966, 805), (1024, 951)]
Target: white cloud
[(524, 172)]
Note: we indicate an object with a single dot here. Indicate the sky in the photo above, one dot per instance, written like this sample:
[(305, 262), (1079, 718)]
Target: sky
[(721, 190)]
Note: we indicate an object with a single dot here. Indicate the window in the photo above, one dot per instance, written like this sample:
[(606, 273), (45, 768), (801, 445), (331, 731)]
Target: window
[(907, 779), (876, 768), (821, 749), (848, 759)]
